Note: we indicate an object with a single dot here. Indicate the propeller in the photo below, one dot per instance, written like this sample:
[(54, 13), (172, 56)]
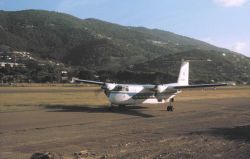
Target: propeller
[(106, 87)]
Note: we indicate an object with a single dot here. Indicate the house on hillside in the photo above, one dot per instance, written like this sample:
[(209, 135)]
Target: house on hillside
[(11, 64)]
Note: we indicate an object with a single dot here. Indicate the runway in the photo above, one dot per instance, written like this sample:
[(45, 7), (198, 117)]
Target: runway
[(205, 124)]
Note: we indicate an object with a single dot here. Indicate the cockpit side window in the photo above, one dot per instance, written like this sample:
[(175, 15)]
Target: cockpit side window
[(118, 88)]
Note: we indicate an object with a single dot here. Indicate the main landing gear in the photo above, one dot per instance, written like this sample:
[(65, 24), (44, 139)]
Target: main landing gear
[(111, 107), (170, 107)]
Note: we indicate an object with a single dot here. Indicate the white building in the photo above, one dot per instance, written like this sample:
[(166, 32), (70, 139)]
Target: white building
[(11, 64)]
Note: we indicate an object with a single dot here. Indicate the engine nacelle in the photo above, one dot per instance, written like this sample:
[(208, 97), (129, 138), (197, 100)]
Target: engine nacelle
[(110, 86), (161, 88)]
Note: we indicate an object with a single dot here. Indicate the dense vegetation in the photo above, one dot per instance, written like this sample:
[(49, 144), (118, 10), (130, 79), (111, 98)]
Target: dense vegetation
[(92, 47)]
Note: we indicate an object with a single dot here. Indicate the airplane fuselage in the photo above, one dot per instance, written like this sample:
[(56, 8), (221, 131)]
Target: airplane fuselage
[(124, 94)]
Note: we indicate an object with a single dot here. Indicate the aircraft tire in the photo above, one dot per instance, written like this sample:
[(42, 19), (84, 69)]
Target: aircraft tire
[(170, 108), (121, 106), (110, 108)]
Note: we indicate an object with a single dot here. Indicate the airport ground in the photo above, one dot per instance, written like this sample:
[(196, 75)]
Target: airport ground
[(67, 119)]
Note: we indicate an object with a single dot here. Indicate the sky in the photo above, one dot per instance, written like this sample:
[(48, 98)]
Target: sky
[(224, 23)]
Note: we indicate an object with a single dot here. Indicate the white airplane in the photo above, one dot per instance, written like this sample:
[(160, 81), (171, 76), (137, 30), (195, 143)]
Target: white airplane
[(132, 94)]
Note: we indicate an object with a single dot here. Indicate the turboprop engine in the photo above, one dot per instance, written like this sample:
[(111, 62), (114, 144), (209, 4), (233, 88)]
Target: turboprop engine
[(108, 86), (160, 88)]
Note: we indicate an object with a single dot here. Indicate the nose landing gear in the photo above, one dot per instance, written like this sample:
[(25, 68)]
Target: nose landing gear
[(111, 106)]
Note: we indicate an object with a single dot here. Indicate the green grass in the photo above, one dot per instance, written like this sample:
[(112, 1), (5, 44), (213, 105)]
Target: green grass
[(24, 98), (32, 98)]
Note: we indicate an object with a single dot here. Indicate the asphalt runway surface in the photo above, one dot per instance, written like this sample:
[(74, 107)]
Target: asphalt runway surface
[(198, 128)]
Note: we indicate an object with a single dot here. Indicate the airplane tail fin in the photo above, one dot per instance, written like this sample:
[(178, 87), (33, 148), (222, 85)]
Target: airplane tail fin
[(183, 78)]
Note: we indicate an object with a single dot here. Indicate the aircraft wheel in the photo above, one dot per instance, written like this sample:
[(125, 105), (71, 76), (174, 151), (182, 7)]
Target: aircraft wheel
[(121, 106), (170, 108), (111, 107)]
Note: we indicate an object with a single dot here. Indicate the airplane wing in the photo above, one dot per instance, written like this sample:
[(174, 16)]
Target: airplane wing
[(200, 86), (89, 81)]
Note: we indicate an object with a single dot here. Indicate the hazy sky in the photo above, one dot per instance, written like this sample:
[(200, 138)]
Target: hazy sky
[(225, 23)]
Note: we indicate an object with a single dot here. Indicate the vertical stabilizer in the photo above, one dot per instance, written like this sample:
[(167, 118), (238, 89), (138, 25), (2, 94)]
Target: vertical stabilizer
[(184, 73)]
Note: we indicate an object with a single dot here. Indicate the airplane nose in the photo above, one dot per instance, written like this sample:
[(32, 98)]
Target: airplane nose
[(119, 98)]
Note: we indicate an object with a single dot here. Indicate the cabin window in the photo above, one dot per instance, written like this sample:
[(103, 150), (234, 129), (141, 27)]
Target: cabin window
[(126, 88)]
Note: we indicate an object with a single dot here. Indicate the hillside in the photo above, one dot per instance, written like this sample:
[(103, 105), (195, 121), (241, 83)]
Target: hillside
[(205, 66), (98, 46)]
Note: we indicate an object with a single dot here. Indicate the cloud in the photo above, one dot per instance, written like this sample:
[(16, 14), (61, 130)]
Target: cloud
[(231, 3), (242, 47)]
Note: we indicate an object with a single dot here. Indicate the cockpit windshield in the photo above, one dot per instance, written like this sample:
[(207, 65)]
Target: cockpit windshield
[(121, 88)]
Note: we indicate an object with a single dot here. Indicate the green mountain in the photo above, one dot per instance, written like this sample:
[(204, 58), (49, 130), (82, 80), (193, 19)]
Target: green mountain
[(99, 46), (205, 66)]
